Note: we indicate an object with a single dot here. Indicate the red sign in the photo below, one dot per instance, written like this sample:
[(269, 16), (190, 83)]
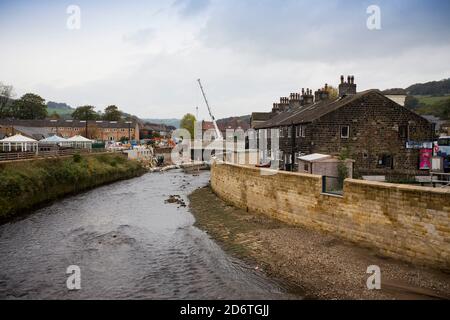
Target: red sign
[(425, 159)]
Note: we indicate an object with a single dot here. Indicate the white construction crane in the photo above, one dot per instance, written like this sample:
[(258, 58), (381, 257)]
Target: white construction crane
[(216, 128)]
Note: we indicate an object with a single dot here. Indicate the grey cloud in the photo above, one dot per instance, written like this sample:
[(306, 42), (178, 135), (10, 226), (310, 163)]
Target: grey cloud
[(140, 37), (308, 30)]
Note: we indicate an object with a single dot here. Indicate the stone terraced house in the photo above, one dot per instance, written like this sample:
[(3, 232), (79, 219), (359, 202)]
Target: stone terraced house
[(368, 126)]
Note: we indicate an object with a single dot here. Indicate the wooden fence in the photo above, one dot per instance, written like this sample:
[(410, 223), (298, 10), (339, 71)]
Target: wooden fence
[(11, 156)]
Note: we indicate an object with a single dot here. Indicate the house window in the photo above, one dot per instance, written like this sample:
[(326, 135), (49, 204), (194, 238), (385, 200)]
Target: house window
[(300, 131), (386, 161), (281, 132), (403, 132), (289, 130), (345, 132)]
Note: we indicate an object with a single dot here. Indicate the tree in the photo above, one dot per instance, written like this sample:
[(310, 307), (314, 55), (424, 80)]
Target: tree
[(85, 113), (29, 106), (411, 102), (188, 123), (6, 94), (112, 113), (444, 109), (55, 116), (333, 93)]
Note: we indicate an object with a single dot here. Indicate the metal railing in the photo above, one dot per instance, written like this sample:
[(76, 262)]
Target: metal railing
[(12, 156), (332, 185), (440, 179)]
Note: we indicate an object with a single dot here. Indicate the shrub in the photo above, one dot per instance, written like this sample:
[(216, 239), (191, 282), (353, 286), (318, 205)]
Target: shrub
[(77, 158)]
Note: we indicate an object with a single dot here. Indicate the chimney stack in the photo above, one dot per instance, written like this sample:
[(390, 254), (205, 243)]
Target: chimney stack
[(308, 98), (347, 88), (295, 100), (321, 94), (284, 104), (275, 108)]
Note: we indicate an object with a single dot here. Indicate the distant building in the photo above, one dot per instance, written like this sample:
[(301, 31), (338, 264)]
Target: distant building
[(232, 125), (96, 130), (151, 130), (396, 95), (372, 128), (259, 118)]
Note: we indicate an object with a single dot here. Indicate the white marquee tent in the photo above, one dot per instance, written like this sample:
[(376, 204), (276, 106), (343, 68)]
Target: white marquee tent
[(80, 142), (18, 143), (55, 140)]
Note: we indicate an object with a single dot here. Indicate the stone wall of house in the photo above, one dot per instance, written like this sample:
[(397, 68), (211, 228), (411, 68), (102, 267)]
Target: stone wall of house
[(404, 222), (374, 124)]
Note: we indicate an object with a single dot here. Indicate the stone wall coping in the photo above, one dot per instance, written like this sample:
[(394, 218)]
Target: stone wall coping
[(385, 185), (398, 186), (288, 173)]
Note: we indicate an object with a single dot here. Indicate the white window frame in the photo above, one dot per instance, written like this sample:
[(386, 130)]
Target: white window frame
[(348, 132)]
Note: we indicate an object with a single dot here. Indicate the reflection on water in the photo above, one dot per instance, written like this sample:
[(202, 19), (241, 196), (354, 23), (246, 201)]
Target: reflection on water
[(128, 243)]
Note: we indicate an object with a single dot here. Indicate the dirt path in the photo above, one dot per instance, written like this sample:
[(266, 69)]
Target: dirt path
[(320, 265)]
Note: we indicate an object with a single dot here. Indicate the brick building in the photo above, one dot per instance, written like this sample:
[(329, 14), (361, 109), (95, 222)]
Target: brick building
[(371, 128), (96, 130)]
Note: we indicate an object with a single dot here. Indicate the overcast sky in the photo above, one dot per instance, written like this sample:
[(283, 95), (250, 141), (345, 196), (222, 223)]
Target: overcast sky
[(145, 56)]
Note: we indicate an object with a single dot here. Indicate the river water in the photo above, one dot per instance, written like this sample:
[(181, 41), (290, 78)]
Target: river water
[(129, 244)]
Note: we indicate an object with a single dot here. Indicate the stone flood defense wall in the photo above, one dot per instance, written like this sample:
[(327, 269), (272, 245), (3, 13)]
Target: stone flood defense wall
[(410, 223)]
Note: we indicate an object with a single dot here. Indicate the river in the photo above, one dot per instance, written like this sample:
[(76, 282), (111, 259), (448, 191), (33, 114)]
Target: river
[(129, 244)]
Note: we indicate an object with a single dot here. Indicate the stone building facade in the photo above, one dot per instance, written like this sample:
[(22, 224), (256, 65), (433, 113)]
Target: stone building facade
[(367, 127)]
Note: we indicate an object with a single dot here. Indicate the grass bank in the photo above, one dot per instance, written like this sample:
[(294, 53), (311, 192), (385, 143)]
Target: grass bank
[(314, 264), (29, 184)]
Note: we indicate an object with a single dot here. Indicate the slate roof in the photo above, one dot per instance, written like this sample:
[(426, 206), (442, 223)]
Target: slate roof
[(157, 127), (37, 133), (261, 116), (65, 123), (311, 112)]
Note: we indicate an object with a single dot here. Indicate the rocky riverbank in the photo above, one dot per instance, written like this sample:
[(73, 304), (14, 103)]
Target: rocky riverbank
[(320, 265), (27, 185)]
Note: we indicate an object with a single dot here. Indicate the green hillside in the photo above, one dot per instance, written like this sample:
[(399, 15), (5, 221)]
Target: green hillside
[(168, 122), (62, 109), (438, 106), (430, 100)]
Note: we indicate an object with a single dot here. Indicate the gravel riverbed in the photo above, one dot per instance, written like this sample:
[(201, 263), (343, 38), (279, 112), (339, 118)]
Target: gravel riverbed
[(319, 265)]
